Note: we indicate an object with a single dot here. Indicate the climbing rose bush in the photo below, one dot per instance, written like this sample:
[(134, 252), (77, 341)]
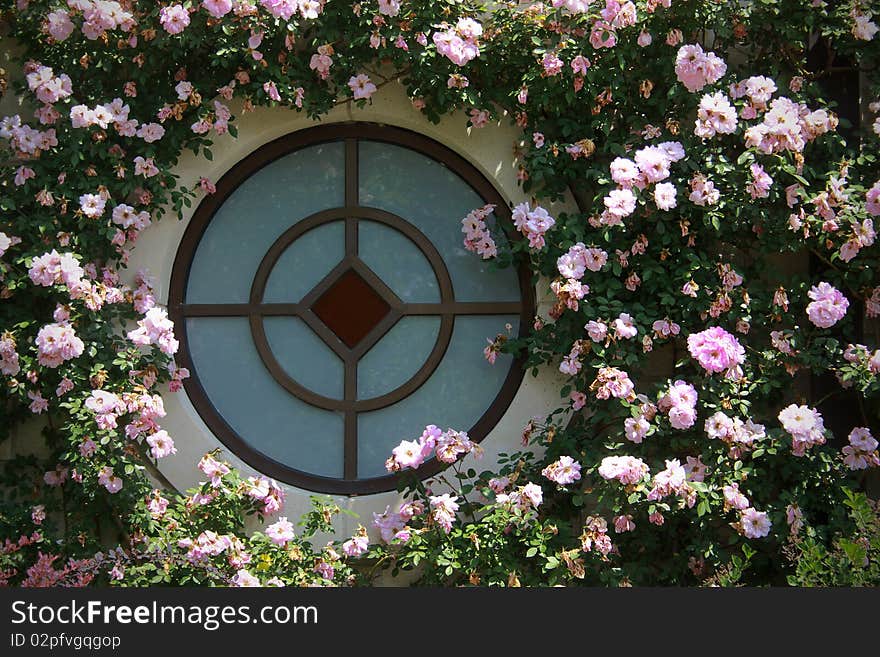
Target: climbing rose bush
[(712, 299)]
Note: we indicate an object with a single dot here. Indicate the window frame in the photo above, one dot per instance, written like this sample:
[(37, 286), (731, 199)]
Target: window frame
[(349, 133)]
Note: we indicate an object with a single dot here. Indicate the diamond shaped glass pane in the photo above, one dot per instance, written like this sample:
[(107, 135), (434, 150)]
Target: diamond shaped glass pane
[(351, 308)]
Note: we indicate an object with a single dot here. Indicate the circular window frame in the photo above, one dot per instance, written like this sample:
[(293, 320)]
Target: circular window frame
[(349, 133)]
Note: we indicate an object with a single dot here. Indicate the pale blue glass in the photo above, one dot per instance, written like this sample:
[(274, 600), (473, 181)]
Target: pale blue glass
[(256, 214), (397, 356), (435, 200), (257, 408), (305, 262), (304, 356), (398, 262), (456, 395)]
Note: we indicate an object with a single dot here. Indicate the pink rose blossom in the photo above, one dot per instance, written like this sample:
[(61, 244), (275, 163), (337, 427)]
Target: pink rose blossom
[(716, 350), (161, 444), (280, 532), (563, 471), (217, 8), (626, 469), (174, 18), (356, 546), (828, 307), (806, 426), (57, 343), (755, 524), (443, 508)]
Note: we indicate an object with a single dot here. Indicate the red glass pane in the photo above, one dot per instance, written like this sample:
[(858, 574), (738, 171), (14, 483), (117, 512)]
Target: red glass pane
[(351, 308)]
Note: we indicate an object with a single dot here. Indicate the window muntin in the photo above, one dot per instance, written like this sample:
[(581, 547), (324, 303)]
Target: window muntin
[(273, 381)]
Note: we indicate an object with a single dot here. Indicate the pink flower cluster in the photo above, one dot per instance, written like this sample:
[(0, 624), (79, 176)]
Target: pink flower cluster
[(614, 16), (174, 18), (636, 428), (460, 43), (716, 350), (573, 6), (54, 268), (863, 235), (8, 356), (565, 470), (738, 435), (695, 68), (578, 259), (477, 237), (393, 526), (532, 223), (211, 544), (595, 535), (624, 327), (281, 532), (266, 491), (48, 87), (649, 165), (828, 306), (357, 544), (57, 343), (106, 406), (625, 469), (715, 116), (872, 200), (322, 60), (361, 87), (161, 444), (99, 17), (448, 446), (858, 353), (217, 8), (679, 402), (861, 453), (786, 126), (524, 499), (569, 294), (443, 508), (672, 481), (734, 498), (243, 579), (755, 524), (613, 382), (703, 191), (155, 328), (285, 9), (157, 505), (213, 469), (108, 480), (24, 139), (806, 426), (665, 328), (863, 28)]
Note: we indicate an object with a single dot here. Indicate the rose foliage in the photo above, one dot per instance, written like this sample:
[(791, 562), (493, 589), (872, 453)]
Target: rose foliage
[(711, 300)]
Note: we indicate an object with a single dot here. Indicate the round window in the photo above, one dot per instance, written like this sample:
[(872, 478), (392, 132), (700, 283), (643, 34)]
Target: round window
[(327, 308)]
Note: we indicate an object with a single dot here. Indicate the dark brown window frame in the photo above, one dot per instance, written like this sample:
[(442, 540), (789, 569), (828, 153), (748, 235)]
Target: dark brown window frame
[(447, 309)]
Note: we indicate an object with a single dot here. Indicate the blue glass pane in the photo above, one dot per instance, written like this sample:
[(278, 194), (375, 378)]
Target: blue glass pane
[(305, 262), (398, 262), (398, 356), (435, 200), (456, 395), (304, 356), (255, 405), (256, 214)]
